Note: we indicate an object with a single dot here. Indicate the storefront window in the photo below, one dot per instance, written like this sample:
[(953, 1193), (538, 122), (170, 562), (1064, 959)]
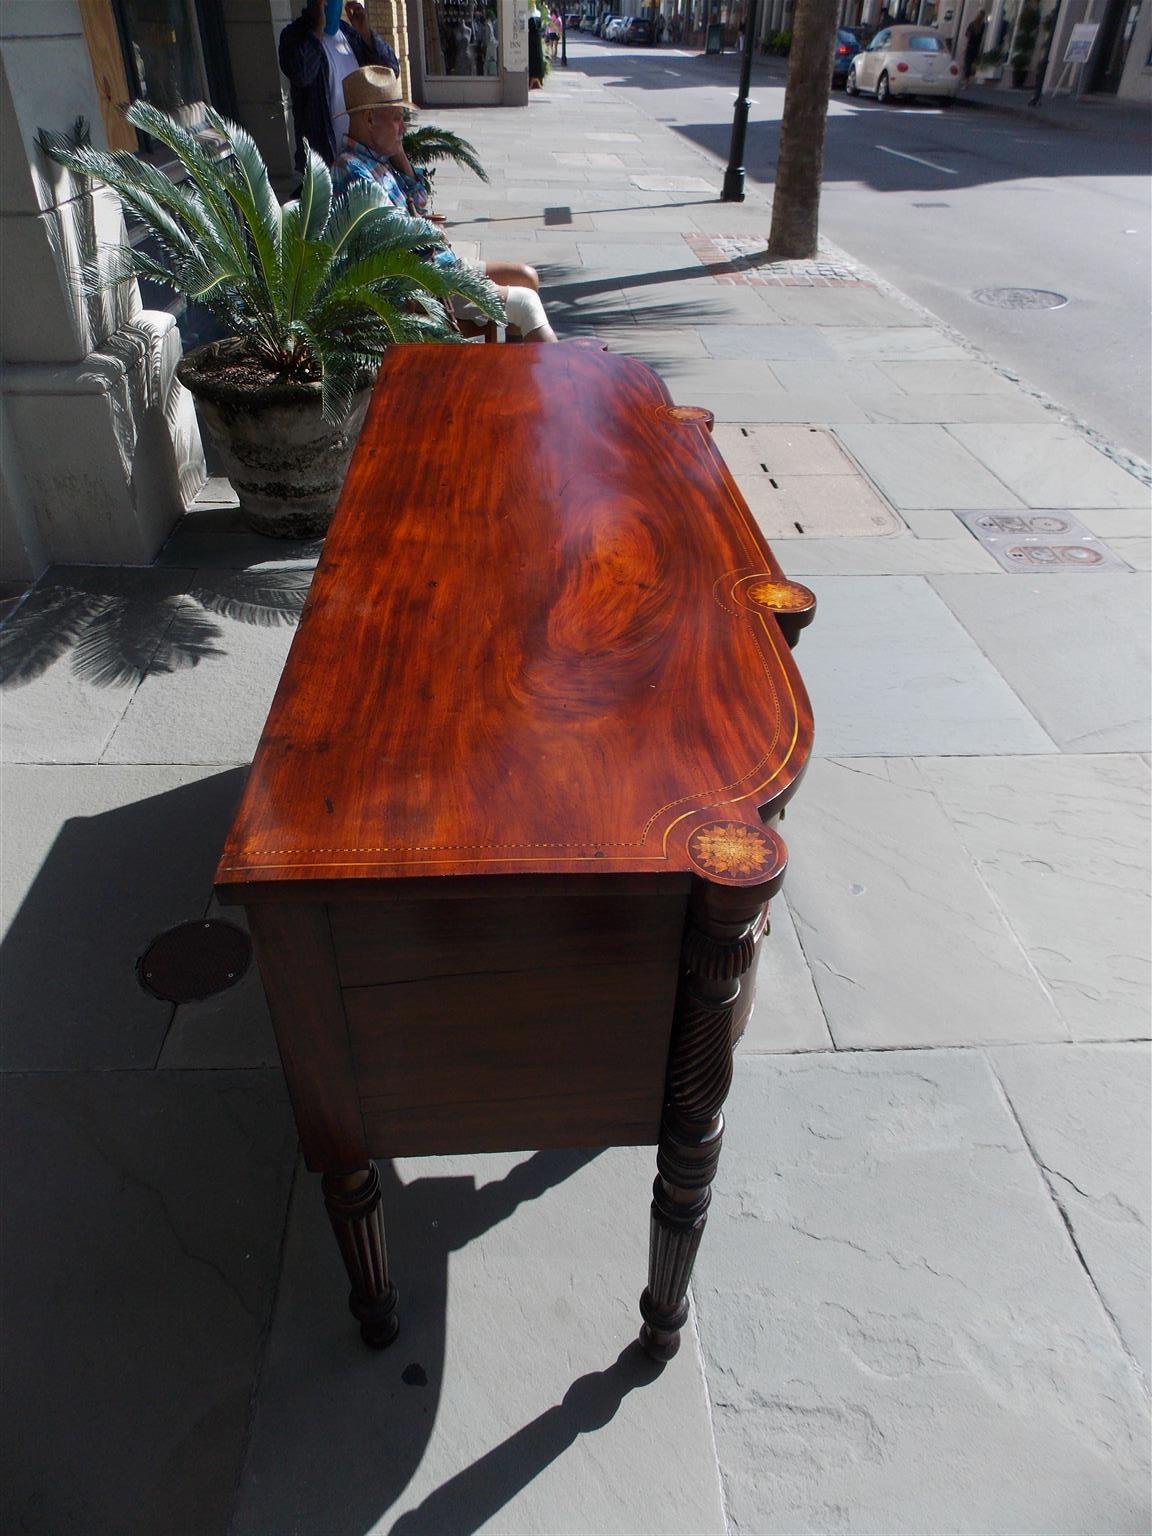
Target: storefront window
[(165, 55), (460, 39)]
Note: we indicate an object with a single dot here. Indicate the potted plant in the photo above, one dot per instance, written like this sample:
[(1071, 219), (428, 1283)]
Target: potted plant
[(1024, 43), (312, 293), (990, 65), (425, 146)]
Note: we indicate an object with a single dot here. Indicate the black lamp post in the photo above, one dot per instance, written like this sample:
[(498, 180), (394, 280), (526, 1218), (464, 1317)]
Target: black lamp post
[(563, 36), (733, 189)]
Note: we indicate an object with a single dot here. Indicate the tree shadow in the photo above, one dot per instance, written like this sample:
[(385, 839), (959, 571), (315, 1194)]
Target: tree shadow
[(116, 625)]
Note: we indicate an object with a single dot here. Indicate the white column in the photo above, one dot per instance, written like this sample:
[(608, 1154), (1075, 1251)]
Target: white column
[(104, 436)]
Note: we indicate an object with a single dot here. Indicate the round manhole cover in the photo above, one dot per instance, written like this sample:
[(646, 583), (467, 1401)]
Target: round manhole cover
[(194, 960), (1020, 298)]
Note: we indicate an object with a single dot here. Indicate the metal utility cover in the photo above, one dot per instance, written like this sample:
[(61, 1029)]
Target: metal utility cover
[(194, 960), (1041, 541)]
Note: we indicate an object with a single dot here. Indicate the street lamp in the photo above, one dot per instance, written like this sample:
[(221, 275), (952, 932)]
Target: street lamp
[(563, 34), (733, 189)]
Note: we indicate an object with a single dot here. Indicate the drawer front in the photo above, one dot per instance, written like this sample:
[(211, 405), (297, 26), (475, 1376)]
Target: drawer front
[(378, 943), (568, 1056)]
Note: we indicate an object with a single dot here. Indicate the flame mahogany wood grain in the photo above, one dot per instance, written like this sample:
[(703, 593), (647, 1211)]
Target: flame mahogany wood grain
[(532, 643), (508, 838)]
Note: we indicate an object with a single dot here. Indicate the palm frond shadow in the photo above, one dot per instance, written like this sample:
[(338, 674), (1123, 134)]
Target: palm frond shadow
[(115, 627), (580, 305)]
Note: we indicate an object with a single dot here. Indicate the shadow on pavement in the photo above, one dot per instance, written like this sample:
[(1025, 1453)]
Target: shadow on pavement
[(340, 1430), (114, 625), (470, 1499)]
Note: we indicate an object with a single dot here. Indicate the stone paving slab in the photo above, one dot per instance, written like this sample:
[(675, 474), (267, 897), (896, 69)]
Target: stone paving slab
[(921, 467), (73, 653), (778, 407), (1052, 466), (1074, 648), (898, 1333), (900, 555), (1137, 552), (890, 670), (772, 342), (1085, 1114), (703, 377), (786, 1014), (860, 380), (841, 306), (874, 345), (907, 945), (703, 302), (97, 862), (230, 1031), (177, 716), (944, 409), (947, 377), (1063, 845), (513, 1400), (1116, 522), (142, 1223)]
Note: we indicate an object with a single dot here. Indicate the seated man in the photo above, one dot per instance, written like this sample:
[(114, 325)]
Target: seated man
[(375, 109)]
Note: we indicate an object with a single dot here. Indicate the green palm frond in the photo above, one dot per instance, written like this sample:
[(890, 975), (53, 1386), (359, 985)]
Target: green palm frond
[(318, 288), (424, 146)]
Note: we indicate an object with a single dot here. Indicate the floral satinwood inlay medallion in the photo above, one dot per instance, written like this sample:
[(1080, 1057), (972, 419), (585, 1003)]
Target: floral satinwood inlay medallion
[(731, 850), (781, 596)]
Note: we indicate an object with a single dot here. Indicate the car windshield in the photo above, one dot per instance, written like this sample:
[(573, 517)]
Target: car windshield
[(925, 43)]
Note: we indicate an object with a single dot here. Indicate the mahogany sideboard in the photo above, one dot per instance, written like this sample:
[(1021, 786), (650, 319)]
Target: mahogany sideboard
[(508, 840)]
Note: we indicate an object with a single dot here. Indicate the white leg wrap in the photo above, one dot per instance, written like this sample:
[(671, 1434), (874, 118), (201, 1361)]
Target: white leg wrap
[(525, 310)]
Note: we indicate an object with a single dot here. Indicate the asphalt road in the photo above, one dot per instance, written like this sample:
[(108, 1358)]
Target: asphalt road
[(944, 202)]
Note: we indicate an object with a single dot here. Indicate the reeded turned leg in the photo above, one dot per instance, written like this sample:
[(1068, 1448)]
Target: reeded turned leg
[(353, 1204), (719, 946)]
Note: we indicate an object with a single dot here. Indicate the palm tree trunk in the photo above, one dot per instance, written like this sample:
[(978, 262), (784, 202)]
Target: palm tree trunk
[(800, 161)]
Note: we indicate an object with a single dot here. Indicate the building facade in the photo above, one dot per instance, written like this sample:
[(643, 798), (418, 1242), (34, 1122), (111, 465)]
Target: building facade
[(99, 448)]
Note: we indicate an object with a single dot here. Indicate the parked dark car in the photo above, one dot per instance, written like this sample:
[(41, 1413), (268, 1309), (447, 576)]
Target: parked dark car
[(638, 30), (849, 42)]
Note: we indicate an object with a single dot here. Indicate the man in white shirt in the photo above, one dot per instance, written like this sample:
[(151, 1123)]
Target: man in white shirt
[(317, 52)]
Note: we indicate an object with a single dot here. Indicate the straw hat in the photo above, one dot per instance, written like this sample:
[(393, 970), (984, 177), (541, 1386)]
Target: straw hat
[(373, 86)]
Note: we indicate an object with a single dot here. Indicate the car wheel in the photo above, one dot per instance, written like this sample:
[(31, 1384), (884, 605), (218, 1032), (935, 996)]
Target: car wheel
[(850, 84), (883, 90)]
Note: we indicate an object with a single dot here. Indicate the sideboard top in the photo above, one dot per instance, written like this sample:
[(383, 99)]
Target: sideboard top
[(539, 640)]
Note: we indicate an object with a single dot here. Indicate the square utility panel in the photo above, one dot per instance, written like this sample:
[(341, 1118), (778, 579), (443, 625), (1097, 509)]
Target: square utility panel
[(1041, 541)]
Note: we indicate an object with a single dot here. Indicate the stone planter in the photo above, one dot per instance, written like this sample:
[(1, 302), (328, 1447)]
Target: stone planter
[(286, 463)]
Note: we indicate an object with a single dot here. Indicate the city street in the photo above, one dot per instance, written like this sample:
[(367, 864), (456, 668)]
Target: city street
[(944, 202)]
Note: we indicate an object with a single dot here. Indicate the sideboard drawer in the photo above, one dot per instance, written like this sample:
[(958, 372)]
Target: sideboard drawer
[(379, 942), (537, 1058)]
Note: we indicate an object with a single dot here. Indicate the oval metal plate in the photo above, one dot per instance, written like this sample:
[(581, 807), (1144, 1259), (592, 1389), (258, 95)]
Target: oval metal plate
[(194, 960)]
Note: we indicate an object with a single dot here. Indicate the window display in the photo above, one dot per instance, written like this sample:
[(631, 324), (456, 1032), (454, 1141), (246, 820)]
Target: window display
[(461, 39)]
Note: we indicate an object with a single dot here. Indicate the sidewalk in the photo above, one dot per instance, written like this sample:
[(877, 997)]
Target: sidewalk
[(921, 1305), (1094, 113)]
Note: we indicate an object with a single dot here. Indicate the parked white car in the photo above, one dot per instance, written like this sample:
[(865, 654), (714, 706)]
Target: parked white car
[(615, 27), (905, 61)]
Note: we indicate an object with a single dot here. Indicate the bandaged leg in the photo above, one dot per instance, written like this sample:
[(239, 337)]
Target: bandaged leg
[(526, 313)]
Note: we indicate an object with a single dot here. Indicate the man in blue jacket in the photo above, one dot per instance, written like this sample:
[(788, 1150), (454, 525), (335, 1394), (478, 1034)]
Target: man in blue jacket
[(317, 51)]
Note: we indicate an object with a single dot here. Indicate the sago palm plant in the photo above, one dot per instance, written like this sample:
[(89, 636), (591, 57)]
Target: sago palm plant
[(315, 290), (424, 146)]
